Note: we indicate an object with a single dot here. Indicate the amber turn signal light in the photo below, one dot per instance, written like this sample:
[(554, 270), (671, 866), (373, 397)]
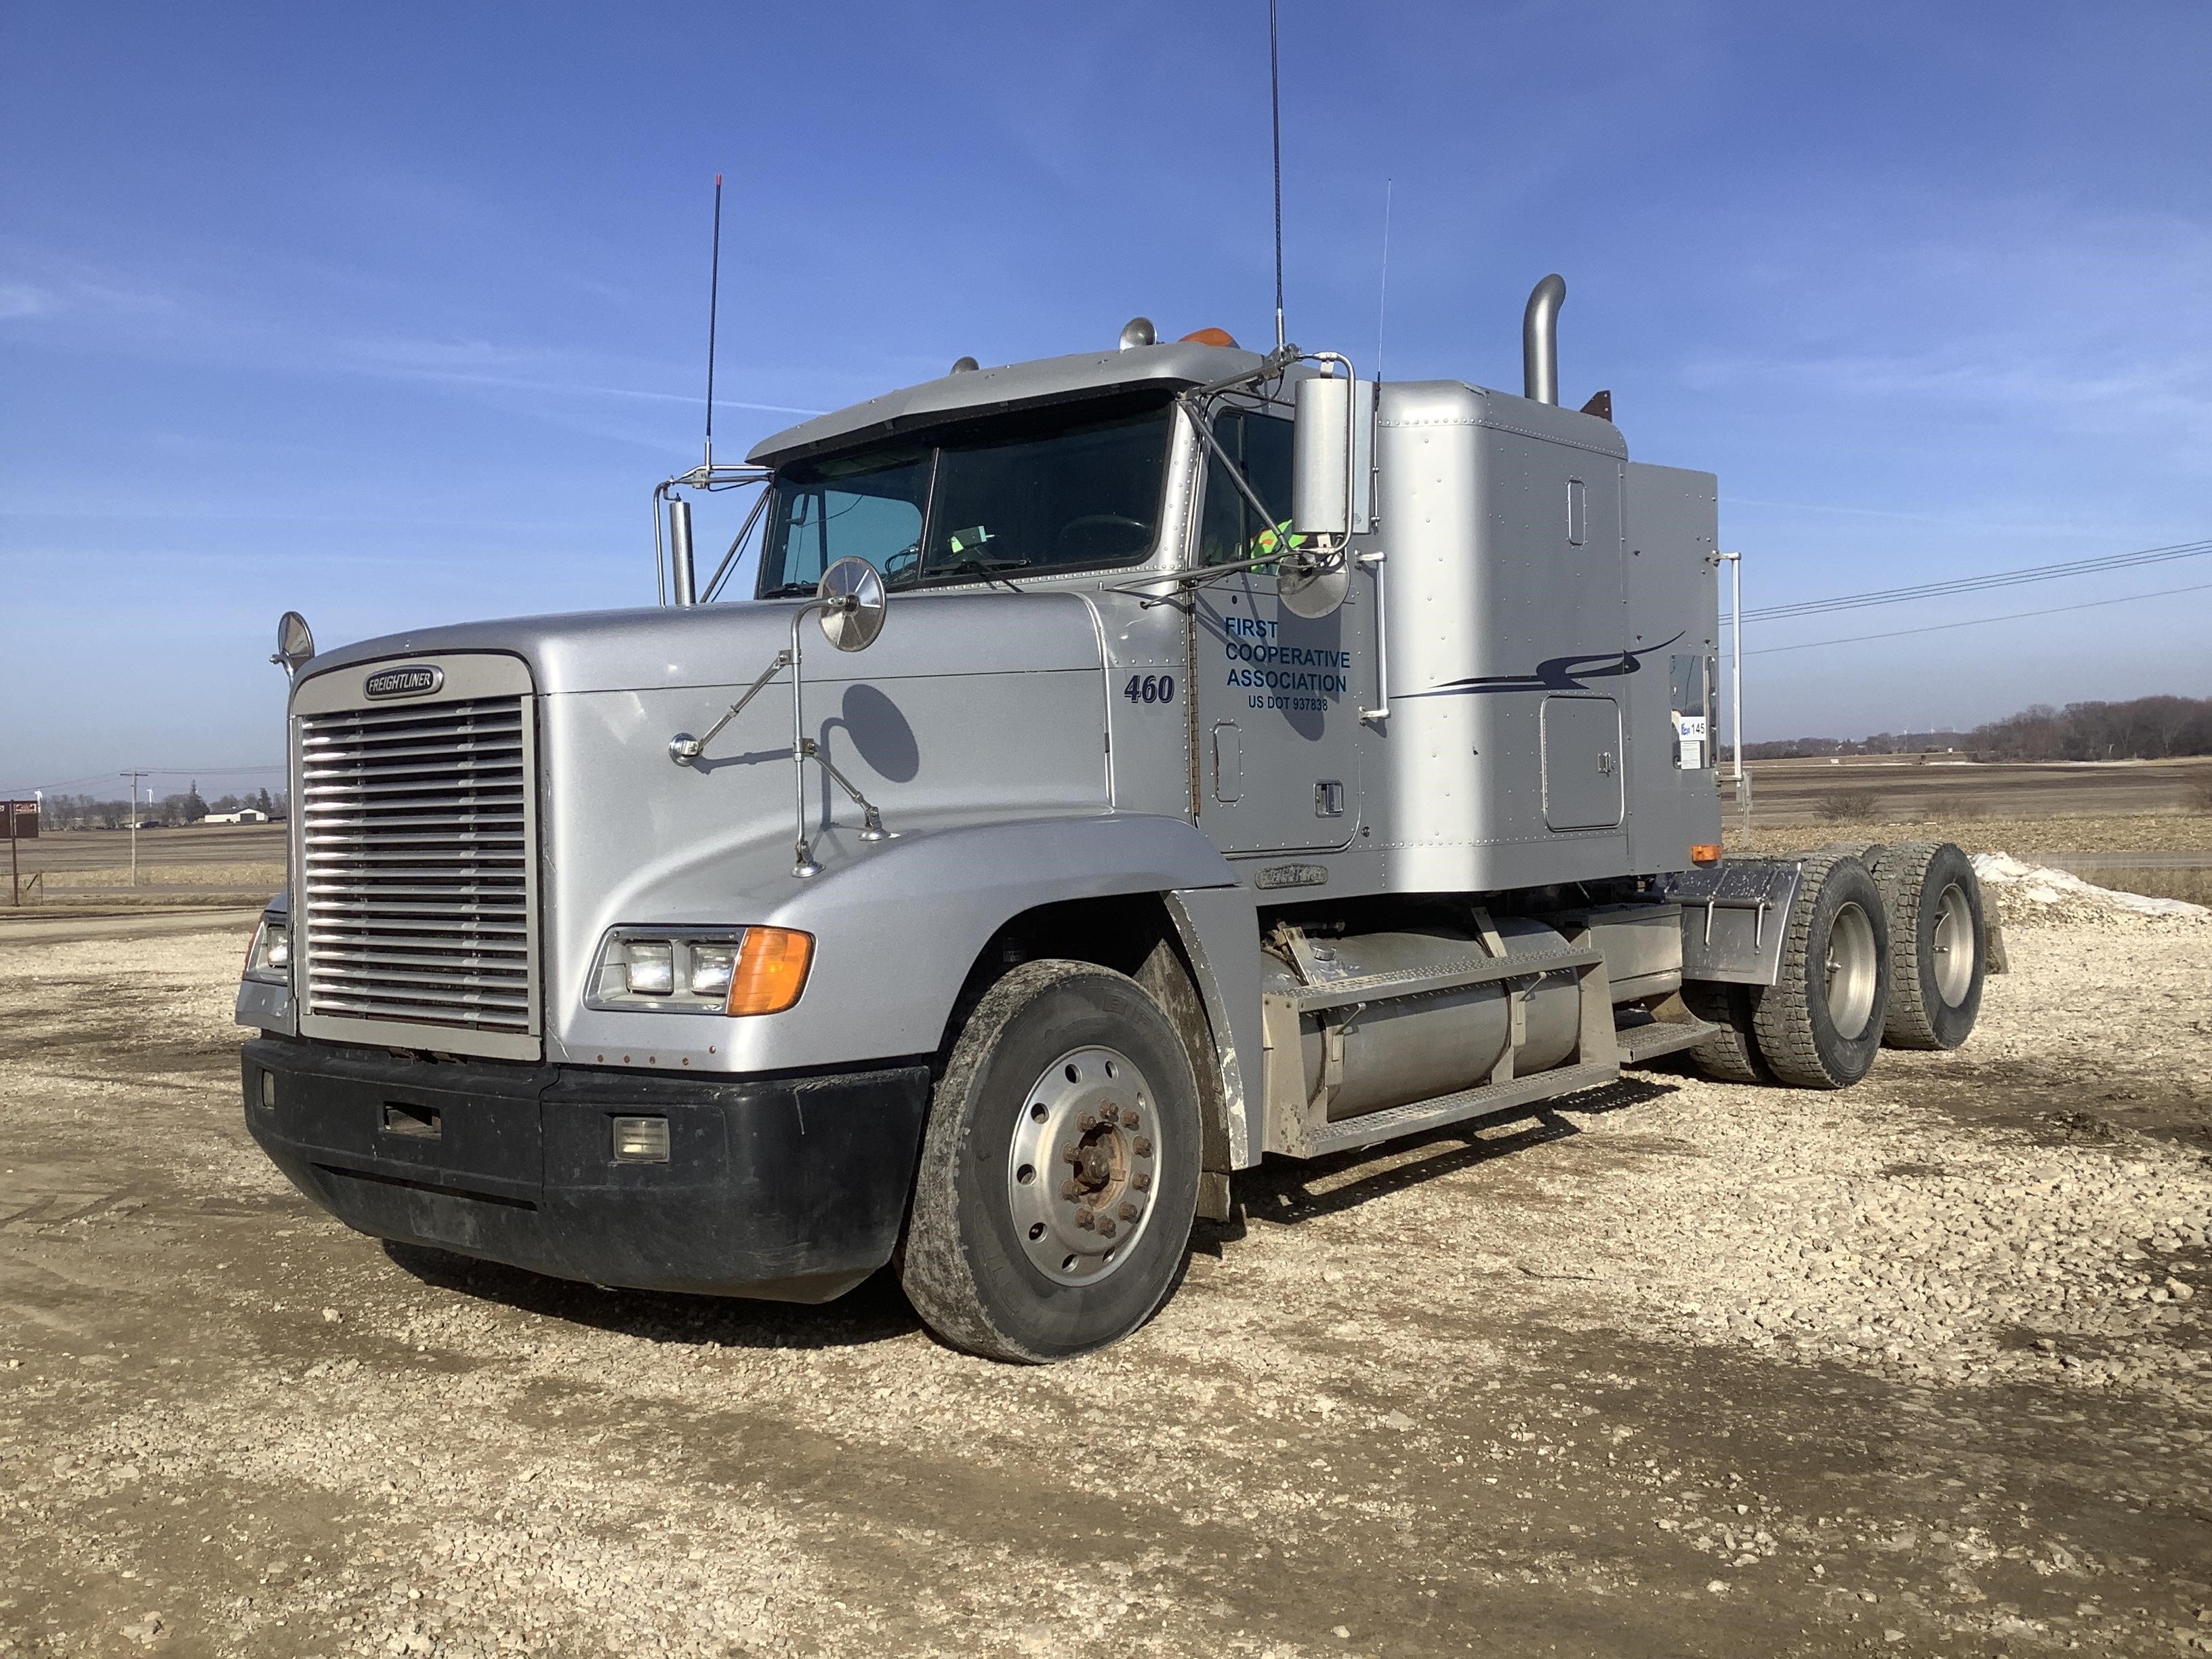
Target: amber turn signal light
[(1704, 852), (771, 970)]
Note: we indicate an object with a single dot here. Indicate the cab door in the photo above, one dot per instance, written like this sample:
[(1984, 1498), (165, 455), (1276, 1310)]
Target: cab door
[(1277, 695)]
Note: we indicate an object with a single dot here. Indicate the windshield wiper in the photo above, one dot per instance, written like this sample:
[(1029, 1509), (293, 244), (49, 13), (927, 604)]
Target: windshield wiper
[(789, 590), (988, 569)]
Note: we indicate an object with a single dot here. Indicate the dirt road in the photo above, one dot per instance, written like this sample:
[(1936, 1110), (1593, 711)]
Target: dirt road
[(1919, 1367)]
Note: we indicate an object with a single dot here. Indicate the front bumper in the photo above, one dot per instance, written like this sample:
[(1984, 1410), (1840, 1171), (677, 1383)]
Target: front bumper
[(791, 1188)]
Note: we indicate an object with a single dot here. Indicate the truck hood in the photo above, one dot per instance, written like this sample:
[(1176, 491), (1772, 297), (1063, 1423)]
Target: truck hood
[(717, 645)]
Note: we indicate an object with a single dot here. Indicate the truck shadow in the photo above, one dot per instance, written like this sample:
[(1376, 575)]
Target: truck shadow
[(1282, 1192), (873, 1311)]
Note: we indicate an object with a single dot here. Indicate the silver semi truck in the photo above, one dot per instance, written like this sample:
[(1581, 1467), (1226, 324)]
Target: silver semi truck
[(1127, 766)]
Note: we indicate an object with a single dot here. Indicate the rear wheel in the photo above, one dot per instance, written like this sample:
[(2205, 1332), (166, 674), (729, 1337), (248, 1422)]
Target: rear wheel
[(1936, 953), (1819, 1026), (1731, 1054), (1059, 1178)]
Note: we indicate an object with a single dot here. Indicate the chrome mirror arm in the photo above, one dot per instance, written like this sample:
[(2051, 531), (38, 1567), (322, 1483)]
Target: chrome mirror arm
[(873, 828), (684, 750)]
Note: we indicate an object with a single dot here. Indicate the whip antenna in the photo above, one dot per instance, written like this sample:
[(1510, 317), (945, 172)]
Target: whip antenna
[(713, 306), (1382, 299), (1275, 109)]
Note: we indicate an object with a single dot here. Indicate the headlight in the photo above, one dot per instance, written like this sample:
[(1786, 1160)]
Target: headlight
[(648, 967), (752, 970), (269, 959)]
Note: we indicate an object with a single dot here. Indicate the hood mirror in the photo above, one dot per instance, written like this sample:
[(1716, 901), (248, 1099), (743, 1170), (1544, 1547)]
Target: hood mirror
[(296, 643), (853, 602)]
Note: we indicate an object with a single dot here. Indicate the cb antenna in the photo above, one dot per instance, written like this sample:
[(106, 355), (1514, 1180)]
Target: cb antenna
[(713, 306), (1382, 296), (1275, 111)]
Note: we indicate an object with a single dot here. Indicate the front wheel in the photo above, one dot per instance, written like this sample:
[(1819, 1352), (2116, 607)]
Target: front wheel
[(1059, 1178)]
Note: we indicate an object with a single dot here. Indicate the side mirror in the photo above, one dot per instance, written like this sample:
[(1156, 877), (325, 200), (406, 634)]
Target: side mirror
[(1331, 485), (853, 602), (296, 643)]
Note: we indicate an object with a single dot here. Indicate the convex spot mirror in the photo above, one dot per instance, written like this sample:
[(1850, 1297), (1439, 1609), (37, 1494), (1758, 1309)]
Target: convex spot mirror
[(1331, 486), (296, 643), (1313, 585), (853, 602)]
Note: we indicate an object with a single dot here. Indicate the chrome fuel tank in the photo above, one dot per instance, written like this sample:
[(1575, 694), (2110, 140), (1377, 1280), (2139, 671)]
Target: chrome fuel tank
[(1418, 1046)]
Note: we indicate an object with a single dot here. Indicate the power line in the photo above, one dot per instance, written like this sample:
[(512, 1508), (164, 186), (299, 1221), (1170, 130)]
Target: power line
[(1977, 622), (1980, 584)]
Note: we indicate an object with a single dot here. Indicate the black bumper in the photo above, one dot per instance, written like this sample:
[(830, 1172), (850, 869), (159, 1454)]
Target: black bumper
[(787, 1187)]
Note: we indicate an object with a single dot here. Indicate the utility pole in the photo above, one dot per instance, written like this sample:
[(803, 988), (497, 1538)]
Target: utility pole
[(134, 777), (14, 866)]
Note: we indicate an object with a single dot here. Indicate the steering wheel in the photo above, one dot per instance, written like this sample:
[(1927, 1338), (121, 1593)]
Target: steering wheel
[(1091, 533), (905, 564)]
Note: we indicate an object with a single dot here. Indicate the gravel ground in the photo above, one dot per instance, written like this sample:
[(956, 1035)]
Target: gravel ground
[(1677, 1368)]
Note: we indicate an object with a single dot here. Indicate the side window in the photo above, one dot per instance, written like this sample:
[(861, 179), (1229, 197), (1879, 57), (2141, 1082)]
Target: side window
[(1230, 531), (873, 513)]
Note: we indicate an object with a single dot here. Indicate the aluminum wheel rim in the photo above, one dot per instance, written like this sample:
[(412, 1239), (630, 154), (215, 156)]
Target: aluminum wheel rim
[(1852, 971), (1082, 1167), (1954, 946)]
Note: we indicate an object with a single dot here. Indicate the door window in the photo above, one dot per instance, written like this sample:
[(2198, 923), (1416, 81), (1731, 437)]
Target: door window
[(1230, 531)]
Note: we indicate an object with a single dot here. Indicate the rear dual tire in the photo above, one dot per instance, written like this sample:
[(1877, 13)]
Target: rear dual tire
[(1819, 1025), (1938, 946)]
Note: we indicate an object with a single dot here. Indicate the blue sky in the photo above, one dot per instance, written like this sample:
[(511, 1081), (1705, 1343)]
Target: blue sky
[(394, 313)]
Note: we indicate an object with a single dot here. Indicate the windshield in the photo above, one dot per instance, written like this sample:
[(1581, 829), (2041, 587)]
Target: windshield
[(1067, 489)]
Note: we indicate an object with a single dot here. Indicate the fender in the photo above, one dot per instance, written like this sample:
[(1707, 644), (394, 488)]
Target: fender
[(896, 928)]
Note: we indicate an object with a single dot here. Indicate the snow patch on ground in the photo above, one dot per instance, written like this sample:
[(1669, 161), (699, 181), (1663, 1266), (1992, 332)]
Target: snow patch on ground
[(2035, 892)]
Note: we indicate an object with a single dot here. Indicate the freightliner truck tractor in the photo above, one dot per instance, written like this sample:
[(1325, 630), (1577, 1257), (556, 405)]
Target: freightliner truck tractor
[(1127, 767)]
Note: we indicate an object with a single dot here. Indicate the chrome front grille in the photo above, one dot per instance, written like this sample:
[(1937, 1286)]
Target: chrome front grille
[(416, 851)]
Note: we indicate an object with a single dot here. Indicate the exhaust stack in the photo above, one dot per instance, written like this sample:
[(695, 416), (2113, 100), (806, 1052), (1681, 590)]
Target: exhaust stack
[(1539, 340)]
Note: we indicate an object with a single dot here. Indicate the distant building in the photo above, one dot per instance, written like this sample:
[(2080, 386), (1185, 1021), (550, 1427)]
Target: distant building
[(244, 814)]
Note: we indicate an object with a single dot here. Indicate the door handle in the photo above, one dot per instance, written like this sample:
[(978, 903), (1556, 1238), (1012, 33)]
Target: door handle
[(1380, 711)]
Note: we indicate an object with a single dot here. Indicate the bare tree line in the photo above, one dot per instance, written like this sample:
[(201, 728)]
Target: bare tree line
[(2143, 729), (65, 812)]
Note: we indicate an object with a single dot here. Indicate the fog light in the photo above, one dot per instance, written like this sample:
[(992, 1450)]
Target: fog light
[(640, 1140), (649, 967), (269, 1090), (711, 965)]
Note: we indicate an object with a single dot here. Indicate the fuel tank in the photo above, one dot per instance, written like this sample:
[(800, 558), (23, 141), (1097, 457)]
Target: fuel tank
[(1400, 1050)]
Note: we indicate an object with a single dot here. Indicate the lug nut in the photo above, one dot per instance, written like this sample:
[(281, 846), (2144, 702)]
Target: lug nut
[(1087, 1122), (1144, 1147), (1084, 1219), (1129, 1122), (1074, 1154), (1071, 1190), (1111, 1112), (1142, 1180), (1128, 1213), (1106, 1227)]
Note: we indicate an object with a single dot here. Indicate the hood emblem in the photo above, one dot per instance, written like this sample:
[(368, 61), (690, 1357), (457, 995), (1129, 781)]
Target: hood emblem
[(416, 680)]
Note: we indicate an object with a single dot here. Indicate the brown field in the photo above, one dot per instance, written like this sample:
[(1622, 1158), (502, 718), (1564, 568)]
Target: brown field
[(211, 864), (1902, 789)]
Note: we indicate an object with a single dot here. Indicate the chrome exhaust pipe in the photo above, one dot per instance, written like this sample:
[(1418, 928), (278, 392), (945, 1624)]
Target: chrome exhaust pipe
[(679, 552), (1540, 340)]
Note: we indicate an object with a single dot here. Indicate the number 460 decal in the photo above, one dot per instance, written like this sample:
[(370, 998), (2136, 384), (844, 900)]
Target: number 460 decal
[(1150, 688)]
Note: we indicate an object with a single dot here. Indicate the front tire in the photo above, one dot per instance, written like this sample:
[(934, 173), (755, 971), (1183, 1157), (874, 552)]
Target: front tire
[(1059, 1177)]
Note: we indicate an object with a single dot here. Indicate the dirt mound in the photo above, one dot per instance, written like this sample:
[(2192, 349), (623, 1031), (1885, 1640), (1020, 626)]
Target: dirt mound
[(2035, 896)]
